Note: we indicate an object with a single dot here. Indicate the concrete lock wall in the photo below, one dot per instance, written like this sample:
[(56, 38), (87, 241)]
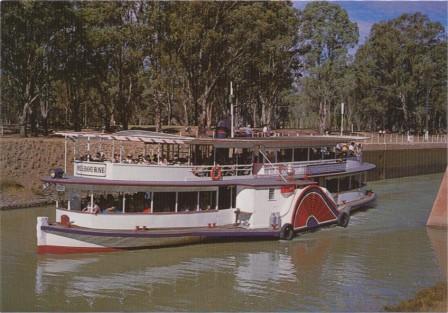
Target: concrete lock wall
[(405, 162)]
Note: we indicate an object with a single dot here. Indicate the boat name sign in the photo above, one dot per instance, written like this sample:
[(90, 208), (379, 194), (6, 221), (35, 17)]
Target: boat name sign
[(98, 170)]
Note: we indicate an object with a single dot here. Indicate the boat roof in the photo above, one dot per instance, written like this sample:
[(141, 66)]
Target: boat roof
[(238, 142), (130, 135)]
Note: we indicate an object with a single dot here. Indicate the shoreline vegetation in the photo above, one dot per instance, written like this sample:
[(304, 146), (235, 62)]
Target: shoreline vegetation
[(432, 299), (110, 65)]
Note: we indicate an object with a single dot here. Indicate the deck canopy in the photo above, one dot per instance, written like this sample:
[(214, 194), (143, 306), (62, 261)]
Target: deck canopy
[(239, 142), (278, 141), (131, 135)]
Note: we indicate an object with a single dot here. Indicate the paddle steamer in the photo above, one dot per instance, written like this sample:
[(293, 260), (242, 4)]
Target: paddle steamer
[(183, 190)]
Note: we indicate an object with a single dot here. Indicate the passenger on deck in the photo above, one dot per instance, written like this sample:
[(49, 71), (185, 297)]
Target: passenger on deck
[(140, 159), (128, 159), (94, 210), (351, 149), (111, 209), (116, 158)]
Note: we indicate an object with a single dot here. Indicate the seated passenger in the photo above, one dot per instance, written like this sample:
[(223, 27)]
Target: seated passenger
[(112, 209), (116, 158), (94, 210), (140, 159), (97, 157), (128, 159)]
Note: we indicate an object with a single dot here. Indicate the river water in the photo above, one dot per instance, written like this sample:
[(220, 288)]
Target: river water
[(384, 256)]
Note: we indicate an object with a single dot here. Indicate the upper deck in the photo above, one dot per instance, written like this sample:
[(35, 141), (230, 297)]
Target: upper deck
[(189, 160)]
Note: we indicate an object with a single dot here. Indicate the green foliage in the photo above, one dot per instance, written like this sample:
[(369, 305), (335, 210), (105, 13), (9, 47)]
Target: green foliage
[(99, 64), (401, 74), (325, 35)]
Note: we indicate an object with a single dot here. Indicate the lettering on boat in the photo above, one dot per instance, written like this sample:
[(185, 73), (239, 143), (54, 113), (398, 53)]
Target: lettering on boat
[(91, 170)]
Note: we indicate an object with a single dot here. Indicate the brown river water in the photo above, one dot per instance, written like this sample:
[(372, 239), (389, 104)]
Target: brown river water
[(384, 256)]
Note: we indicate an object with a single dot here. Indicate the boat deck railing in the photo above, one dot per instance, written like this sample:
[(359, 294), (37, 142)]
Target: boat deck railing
[(123, 171), (308, 168), (226, 170)]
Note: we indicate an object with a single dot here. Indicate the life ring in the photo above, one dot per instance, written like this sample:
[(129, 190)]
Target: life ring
[(287, 232), (216, 172), (343, 219)]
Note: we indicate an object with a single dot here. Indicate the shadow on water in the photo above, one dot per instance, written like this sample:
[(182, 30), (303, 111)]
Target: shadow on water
[(385, 254)]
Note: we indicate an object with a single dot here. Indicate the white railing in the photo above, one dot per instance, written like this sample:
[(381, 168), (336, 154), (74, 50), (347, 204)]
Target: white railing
[(305, 168), (406, 139), (226, 170)]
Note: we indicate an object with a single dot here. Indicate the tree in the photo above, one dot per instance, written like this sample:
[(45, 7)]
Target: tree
[(401, 72), (28, 32), (325, 35)]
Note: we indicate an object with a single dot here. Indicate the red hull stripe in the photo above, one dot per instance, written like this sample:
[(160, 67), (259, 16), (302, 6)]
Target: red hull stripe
[(64, 250)]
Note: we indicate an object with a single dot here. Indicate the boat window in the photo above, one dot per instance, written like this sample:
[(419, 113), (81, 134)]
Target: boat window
[(328, 153), (300, 154), (187, 201), (137, 202), (332, 185), (207, 200), (271, 194), (284, 155), (164, 202), (344, 183), (315, 154), (226, 195)]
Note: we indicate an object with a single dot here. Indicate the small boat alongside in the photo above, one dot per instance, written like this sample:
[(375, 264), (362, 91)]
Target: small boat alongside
[(183, 190)]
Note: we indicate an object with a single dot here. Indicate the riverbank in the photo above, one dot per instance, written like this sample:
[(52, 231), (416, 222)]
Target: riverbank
[(433, 299), (24, 160)]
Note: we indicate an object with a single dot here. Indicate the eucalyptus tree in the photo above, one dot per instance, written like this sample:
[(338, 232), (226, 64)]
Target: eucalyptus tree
[(115, 34), (401, 72), (28, 57), (325, 35)]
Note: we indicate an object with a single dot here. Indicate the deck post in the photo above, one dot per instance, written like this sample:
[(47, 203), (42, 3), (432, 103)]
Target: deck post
[(152, 201), (65, 154), (217, 199), (231, 197), (113, 150), (177, 200), (124, 202), (308, 154), (88, 148), (91, 201), (197, 203), (68, 205), (189, 154), (74, 149)]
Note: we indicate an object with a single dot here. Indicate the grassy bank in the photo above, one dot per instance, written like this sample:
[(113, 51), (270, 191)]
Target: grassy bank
[(432, 299)]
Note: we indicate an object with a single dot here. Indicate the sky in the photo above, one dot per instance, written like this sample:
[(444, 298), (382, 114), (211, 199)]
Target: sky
[(367, 13)]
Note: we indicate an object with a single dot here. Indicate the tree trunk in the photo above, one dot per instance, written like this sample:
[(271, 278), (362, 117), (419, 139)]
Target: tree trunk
[(322, 117), (185, 105)]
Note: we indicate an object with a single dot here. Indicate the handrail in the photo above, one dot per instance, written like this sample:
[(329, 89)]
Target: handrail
[(234, 169), (308, 167), (270, 163)]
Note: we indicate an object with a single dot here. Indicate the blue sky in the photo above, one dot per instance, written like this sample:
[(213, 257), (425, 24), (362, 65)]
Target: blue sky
[(367, 13)]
